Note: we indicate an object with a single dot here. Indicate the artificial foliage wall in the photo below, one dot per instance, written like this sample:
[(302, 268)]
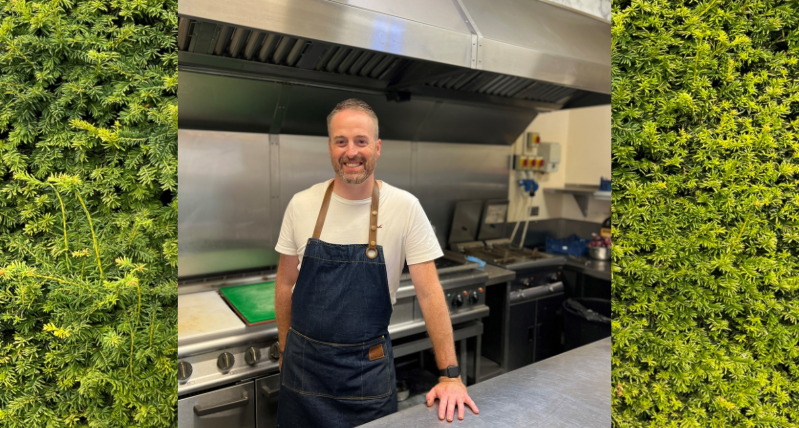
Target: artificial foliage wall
[(705, 135), (88, 213)]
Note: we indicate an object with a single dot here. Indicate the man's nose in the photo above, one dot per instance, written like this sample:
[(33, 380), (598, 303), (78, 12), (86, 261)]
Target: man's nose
[(352, 150)]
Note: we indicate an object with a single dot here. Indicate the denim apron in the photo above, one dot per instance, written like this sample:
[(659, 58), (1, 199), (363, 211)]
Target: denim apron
[(338, 365)]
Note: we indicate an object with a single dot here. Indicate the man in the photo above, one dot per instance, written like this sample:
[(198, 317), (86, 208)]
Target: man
[(343, 243)]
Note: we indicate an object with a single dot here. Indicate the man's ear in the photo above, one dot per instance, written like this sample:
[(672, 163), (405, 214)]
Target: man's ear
[(377, 148)]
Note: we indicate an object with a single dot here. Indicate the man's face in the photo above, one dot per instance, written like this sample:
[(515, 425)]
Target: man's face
[(352, 146)]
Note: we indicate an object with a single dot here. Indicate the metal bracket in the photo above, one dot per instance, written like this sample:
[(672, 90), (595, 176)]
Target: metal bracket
[(582, 202), (476, 34)]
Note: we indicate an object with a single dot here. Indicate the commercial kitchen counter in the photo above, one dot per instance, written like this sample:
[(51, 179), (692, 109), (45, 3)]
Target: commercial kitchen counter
[(568, 390), (498, 275), (599, 269)]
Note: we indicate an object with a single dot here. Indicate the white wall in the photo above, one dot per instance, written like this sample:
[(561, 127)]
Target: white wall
[(584, 135)]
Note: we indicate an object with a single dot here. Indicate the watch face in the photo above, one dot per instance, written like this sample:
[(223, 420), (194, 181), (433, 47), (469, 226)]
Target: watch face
[(453, 371)]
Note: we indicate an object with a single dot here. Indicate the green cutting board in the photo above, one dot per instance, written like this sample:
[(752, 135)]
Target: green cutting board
[(253, 303)]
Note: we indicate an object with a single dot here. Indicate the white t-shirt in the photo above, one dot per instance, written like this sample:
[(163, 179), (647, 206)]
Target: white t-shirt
[(403, 228)]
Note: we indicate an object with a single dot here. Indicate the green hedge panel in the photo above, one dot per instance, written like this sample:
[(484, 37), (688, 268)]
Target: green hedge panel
[(705, 290), (88, 213)]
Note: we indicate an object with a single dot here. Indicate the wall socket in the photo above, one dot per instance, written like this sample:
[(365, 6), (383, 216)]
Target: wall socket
[(533, 212)]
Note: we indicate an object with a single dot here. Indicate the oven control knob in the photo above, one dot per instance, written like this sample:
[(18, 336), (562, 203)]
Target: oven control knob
[(252, 355), (184, 371), (473, 298), (274, 351), (225, 361), (457, 301)]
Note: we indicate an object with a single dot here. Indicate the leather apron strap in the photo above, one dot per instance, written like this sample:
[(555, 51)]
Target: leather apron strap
[(371, 250)]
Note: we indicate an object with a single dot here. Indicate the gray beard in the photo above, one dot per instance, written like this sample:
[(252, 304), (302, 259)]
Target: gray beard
[(360, 178), (350, 180)]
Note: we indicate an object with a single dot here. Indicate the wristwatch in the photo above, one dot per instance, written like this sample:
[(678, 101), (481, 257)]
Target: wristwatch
[(451, 372)]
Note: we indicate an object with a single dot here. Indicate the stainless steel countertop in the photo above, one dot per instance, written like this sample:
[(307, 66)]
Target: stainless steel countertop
[(497, 275), (588, 266), (568, 390)]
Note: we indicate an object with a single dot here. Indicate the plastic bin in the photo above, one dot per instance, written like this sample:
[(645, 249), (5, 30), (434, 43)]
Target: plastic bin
[(573, 246), (604, 185), (585, 321)]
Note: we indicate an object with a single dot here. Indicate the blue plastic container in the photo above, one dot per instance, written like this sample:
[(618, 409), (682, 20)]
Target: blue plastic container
[(604, 185), (573, 246)]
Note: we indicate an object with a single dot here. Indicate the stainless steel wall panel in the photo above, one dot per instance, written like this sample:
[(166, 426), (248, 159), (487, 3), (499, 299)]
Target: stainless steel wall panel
[(223, 220), (341, 24), (304, 161), (394, 165), (228, 219), (447, 172)]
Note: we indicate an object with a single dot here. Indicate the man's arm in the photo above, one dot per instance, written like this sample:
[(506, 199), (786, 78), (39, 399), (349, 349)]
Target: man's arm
[(439, 326), (287, 274)]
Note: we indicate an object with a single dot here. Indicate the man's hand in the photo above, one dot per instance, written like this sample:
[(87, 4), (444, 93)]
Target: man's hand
[(449, 393)]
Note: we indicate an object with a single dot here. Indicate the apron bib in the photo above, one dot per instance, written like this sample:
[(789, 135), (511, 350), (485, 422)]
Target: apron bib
[(338, 365)]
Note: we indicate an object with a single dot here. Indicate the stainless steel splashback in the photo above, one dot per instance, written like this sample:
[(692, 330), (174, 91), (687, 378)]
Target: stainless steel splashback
[(234, 189), (224, 219)]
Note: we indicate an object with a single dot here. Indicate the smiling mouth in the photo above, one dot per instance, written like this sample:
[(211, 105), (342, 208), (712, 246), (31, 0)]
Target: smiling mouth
[(352, 165)]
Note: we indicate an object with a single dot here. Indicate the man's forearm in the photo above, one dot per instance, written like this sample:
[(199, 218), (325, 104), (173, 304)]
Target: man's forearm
[(439, 327), (283, 311)]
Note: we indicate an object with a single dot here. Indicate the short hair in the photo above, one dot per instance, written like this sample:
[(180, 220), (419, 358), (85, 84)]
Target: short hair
[(353, 104)]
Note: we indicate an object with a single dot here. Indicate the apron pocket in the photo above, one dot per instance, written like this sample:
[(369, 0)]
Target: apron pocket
[(342, 371)]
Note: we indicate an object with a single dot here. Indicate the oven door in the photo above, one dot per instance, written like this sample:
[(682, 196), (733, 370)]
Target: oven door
[(267, 390), (233, 406)]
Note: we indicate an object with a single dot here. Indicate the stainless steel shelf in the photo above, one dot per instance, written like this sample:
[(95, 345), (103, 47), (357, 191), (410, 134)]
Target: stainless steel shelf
[(581, 193)]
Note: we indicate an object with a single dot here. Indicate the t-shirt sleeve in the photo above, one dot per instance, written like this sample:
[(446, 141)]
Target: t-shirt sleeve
[(421, 244), (285, 243)]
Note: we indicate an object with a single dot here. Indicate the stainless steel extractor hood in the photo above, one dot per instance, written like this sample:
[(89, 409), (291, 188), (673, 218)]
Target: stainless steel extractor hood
[(434, 70)]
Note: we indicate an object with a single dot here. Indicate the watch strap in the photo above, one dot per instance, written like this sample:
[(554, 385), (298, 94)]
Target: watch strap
[(450, 372)]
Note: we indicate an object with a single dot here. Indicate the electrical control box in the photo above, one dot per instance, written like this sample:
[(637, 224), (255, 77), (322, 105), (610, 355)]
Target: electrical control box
[(549, 154), (531, 140)]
